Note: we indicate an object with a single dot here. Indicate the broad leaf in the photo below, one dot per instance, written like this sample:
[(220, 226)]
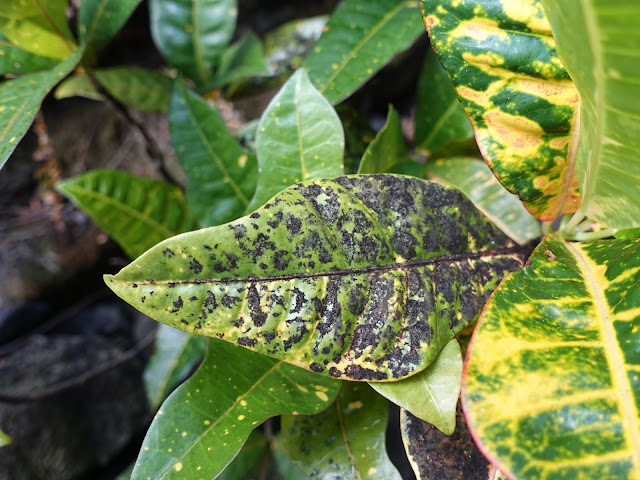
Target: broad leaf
[(192, 34), (142, 89), (598, 42), (358, 41), (431, 395), (361, 277), (232, 392), (502, 61), (242, 59), (136, 212), (100, 20), (439, 116), (248, 457), (300, 137), (552, 384), (16, 60), (387, 149), (221, 176), (347, 440), (475, 180)]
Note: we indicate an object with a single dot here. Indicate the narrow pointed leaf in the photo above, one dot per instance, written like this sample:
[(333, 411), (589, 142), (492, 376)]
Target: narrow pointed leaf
[(300, 138), (139, 88), (358, 41), (242, 59), (219, 407), (551, 383), (431, 395), (100, 20), (502, 61), (221, 176), (77, 85), (598, 42), (4, 439), (347, 440), (16, 60), (387, 149), (362, 277)]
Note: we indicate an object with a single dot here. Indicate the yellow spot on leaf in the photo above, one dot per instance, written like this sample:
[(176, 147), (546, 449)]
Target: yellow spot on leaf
[(178, 466), (322, 396), (184, 434), (523, 136), (372, 471), (240, 417), (207, 422), (242, 161), (478, 29), (355, 405), (529, 13)]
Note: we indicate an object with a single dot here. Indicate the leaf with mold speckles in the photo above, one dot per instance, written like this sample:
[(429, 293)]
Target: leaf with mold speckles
[(364, 277), (501, 57), (552, 379), (210, 416), (347, 440)]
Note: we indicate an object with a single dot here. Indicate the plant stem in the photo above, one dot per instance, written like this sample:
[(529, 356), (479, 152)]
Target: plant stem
[(546, 228), (575, 220), (586, 236)]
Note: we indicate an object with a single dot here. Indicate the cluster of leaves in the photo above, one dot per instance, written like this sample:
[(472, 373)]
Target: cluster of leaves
[(309, 284)]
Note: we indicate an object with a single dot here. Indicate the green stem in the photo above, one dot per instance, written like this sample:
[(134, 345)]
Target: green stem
[(586, 236), (575, 220), (546, 228)]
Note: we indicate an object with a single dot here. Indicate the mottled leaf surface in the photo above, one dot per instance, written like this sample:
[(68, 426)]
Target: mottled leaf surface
[(16, 60), (432, 394), (552, 382), (299, 138), (387, 149), (346, 441), (364, 277), (502, 60), (204, 422), (242, 59), (221, 176), (359, 40), (139, 88), (100, 20)]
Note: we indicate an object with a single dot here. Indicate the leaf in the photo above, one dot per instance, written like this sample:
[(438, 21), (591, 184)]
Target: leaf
[(192, 34), (358, 41), (142, 89), (551, 384), (345, 441), (387, 149), (432, 394), (300, 137), (439, 116), (248, 457), (599, 45), (136, 212), (287, 469), (502, 61), (358, 134), (221, 176), (100, 20), (219, 406), (16, 60), (628, 233), (361, 277), (4, 439), (21, 98), (77, 84), (244, 58), (475, 180)]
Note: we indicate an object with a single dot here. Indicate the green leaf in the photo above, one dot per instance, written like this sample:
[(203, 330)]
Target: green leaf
[(628, 233), (142, 89), (21, 98), (475, 180), (100, 20), (192, 34), (599, 45), (287, 469), (358, 41), (387, 149), (16, 60), (552, 380), (502, 61), (136, 212), (345, 441), (77, 85), (431, 395), (202, 425), (244, 58), (364, 277), (439, 116), (358, 134), (4, 439), (221, 176), (248, 457), (300, 137)]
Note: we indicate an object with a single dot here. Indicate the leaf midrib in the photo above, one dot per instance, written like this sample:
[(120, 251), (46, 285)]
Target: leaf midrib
[(346, 440)]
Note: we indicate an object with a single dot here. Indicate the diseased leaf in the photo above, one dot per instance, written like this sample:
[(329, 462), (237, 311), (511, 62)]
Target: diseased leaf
[(364, 277), (502, 61), (248, 457), (347, 440), (77, 85), (221, 176), (552, 380), (139, 88), (211, 427), (300, 137), (242, 59), (136, 212), (100, 20), (387, 149), (598, 42), (16, 60), (359, 40), (431, 395)]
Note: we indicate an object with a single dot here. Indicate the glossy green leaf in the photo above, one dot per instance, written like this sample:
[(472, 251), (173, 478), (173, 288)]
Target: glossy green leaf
[(387, 149), (359, 40), (300, 137), (431, 395), (552, 382), (136, 212), (202, 425), (16, 60), (100, 20), (142, 89), (221, 176), (248, 457), (598, 42), (439, 116), (4, 439), (192, 34), (364, 277), (244, 58), (628, 233), (77, 85), (21, 98), (502, 60), (347, 440), (475, 180)]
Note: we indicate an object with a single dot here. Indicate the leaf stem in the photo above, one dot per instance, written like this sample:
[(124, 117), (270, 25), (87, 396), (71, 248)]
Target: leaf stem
[(575, 220), (586, 236), (546, 228)]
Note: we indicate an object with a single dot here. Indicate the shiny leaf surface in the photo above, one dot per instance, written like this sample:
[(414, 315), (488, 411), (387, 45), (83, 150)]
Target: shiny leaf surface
[(248, 457), (16, 60), (139, 88), (387, 149), (242, 59), (100, 20)]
